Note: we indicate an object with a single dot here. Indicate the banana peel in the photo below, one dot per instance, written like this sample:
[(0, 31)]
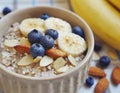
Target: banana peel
[(116, 3), (102, 18)]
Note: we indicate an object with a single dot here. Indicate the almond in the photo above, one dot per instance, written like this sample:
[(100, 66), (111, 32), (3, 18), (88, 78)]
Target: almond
[(24, 41), (26, 60), (102, 85), (22, 48), (97, 72), (55, 53), (63, 69), (58, 63), (116, 75), (72, 60), (45, 61), (11, 43)]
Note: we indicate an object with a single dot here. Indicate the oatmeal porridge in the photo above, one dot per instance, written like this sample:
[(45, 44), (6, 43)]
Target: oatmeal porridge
[(44, 46)]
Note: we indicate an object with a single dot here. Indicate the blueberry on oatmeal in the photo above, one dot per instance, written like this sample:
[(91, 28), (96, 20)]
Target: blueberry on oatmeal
[(37, 50), (53, 33), (44, 16), (77, 30), (47, 42), (34, 36)]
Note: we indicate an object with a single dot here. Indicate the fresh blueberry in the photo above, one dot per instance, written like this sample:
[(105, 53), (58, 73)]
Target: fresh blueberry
[(97, 47), (37, 49), (77, 30), (89, 81), (44, 16), (53, 33), (6, 10), (47, 42), (34, 36), (104, 61)]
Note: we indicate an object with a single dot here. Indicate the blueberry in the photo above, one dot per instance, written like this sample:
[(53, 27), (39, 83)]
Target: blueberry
[(37, 50), (53, 33), (104, 61), (34, 36), (97, 47), (89, 81), (6, 10), (47, 42), (44, 16), (77, 30)]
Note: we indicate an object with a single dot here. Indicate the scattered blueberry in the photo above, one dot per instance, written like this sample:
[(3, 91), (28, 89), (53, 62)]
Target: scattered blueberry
[(77, 30), (37, 50), (104, 61), (44, 16), (97, 47), (89, 81), (6, 10), (34, 36), (47, 42), (53, 33)]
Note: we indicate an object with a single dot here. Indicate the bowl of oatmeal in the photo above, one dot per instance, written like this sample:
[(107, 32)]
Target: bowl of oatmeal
[(44, 50)]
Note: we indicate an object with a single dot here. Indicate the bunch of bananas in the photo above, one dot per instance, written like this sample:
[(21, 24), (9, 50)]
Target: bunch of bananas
[(103, 18)]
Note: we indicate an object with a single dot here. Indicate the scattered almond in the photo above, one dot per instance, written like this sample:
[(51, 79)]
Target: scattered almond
[(37, 59), (11, 43), (116, 75), (63, 69), (97, 72), (22, 48), (24, 41), (26, 60), (95, 56), (45, 61), (55, 53), (58, 63), (102, 85), (72, 60)]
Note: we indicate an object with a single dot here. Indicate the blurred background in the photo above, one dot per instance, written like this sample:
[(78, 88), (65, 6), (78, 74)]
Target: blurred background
[(17, 4)]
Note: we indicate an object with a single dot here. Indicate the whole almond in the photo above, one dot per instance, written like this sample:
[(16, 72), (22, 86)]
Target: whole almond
[(22, 48), (116, 75), (97, 72), (55, 53), (102, 85)]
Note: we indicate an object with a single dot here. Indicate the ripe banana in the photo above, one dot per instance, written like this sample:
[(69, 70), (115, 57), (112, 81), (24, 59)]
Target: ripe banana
[(116, 3), (29, 24), (72, 44), (102, 18), (58, 24)]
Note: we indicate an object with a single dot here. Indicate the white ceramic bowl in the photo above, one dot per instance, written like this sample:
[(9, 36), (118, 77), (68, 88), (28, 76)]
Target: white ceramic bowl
[(68, 82)]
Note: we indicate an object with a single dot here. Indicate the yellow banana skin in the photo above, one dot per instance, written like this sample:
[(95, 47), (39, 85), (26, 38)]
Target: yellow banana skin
[(102, 18), (116, 3)]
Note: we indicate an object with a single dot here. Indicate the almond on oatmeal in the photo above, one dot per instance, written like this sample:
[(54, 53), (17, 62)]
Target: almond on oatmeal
[(11, 43), (58, 63), (26, 60), (22, 48), (55, 53)]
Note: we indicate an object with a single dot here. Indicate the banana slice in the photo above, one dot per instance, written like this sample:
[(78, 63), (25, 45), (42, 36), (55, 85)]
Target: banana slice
[(72, 44), (58, 24), (31, 23)]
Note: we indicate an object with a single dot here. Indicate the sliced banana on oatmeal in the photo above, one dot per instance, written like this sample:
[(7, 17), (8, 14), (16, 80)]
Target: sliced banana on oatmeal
[(45, 61), (72, 44), (58, 24), (29, 24), (11, 43)]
